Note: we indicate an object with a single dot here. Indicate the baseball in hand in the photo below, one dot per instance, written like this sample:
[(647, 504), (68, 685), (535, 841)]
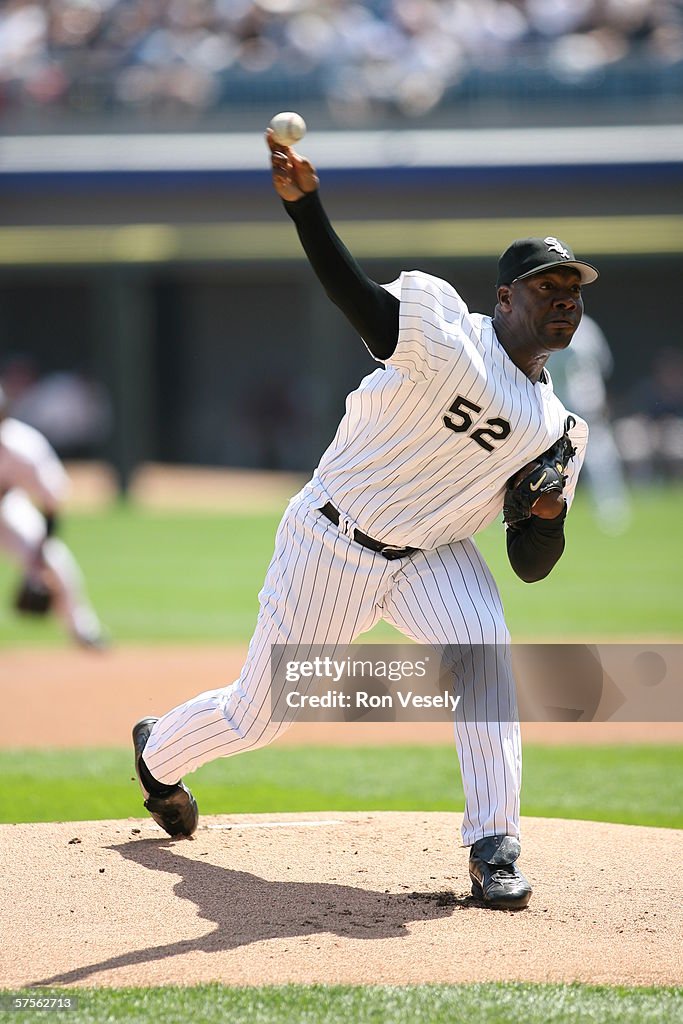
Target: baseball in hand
[(288, 127), (548, 506)]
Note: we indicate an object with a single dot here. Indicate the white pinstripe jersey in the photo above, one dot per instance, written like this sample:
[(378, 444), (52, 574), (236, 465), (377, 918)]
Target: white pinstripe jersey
[(426, 445), (28, 461)]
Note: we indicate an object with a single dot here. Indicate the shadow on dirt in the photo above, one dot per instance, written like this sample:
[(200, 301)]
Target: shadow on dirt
[(246, 908)]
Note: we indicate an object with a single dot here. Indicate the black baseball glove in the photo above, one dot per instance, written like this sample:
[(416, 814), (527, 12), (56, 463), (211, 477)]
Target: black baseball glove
[(547, 474), (33, 597)]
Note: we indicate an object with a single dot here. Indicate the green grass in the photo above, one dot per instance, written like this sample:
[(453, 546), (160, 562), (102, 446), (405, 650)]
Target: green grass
[(194, 578), (337, 1004), (620, 784), (161, 577)]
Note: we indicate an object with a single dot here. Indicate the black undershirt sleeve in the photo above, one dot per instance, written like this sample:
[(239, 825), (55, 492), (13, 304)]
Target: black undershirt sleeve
[(371, 309), (535, 546)]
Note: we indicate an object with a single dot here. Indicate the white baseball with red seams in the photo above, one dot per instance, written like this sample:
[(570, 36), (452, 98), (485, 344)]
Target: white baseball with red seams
[(288, 127)]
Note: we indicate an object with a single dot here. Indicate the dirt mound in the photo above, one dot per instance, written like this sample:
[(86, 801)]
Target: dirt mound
[(348, 898)]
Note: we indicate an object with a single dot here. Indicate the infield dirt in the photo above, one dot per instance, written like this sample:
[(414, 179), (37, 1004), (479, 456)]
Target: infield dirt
[(71, 698), (344, 898)]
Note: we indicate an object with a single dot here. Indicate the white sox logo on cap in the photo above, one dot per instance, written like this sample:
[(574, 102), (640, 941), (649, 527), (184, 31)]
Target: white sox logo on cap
[(527, 256), (556, 246)]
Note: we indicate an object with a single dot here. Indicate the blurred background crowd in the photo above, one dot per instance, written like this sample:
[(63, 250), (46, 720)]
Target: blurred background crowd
[(187, 58)]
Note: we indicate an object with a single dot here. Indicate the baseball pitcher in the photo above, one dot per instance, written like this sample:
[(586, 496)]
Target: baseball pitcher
[(457, 425)]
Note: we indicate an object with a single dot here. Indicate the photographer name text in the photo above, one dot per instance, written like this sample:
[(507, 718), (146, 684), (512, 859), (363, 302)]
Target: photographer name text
[(371, 701)]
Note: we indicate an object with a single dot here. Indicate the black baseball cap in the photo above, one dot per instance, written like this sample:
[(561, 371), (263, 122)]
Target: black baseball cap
[(527, 256)]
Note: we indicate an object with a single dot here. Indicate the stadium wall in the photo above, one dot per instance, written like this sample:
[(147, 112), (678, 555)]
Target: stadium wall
[(166, 268)]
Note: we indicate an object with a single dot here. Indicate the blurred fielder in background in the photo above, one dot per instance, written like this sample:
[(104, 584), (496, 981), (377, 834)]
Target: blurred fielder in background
[(33, 489), (579, 374)]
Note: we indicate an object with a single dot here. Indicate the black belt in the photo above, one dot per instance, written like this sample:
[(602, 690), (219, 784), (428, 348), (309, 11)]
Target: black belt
[(388, 550)]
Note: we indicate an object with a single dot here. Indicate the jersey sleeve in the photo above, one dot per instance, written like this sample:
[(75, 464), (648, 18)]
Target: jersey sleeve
[(33, 466), (431, 320), (579, 438)]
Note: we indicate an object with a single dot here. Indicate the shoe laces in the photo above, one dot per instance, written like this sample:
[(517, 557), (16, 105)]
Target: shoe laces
[(504, 871)]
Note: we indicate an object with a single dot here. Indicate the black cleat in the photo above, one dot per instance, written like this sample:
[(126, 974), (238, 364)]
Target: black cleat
[(172, 807), (495, 877)]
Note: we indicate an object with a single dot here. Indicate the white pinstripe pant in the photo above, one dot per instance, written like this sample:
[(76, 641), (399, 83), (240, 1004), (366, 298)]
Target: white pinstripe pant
[(22, 531), (324, 588)]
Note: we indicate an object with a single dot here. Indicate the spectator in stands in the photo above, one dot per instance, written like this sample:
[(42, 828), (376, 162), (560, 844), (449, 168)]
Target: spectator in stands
[(72, 410), (399, 55), (651, 436)]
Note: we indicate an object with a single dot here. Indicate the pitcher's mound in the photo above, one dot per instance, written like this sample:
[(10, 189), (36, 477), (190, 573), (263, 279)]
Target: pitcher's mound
[(352, 898)]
